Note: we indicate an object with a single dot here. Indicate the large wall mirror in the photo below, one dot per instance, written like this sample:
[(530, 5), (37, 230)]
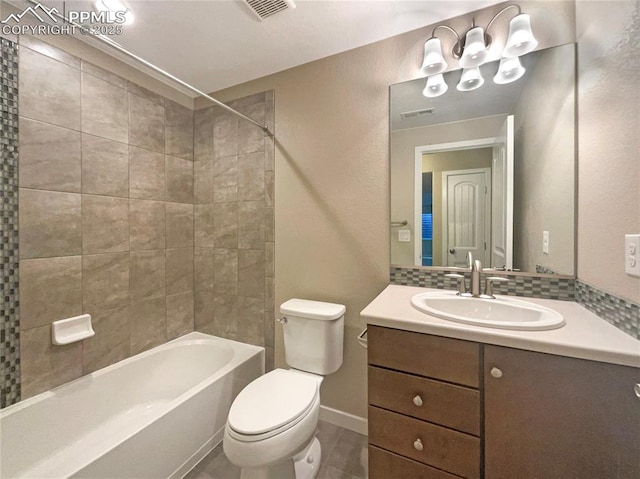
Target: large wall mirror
[(489, 171)]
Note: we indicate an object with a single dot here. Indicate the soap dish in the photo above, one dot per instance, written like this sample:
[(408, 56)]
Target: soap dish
[(67, 331)]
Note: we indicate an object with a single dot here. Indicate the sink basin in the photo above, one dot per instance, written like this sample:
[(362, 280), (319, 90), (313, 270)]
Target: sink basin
[(503, 312)]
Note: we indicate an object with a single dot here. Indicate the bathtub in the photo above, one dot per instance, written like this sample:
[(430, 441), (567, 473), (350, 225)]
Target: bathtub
[(154, 415)]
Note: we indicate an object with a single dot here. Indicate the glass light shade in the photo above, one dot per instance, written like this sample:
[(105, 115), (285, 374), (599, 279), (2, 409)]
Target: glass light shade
[(435, 86), (509, 70), (475, 50), (471, 79), (520, 40), (433, 62)]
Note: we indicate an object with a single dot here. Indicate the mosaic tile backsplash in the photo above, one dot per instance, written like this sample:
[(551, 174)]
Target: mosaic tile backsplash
[(10, 330), (623, 314)]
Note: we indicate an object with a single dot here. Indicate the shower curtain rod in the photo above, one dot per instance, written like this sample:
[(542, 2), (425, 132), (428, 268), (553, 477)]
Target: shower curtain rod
[(106, 40)]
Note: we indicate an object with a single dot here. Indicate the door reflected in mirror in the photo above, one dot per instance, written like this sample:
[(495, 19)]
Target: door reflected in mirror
[(487, 171)]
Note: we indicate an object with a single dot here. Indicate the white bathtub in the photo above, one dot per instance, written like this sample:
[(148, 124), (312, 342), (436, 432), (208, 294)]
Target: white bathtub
[(154, 415)]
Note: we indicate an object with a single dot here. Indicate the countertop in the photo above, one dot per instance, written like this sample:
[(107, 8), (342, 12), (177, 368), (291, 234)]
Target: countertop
[(584, 335)]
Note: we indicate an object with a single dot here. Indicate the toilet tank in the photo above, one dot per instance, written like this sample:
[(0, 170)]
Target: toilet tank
[(313, 335)]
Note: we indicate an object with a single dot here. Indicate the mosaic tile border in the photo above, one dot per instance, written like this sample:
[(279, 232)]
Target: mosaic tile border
[(547, 287), (10, 328), (623, 314)]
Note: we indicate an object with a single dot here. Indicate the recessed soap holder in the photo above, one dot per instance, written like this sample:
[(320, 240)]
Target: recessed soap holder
[(67, 331)]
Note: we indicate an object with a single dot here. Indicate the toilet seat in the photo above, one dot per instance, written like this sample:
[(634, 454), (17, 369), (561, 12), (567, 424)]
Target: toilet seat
[(271, 404)]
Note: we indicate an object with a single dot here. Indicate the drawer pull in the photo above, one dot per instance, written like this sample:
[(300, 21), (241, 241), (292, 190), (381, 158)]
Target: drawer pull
[(496, 373), (636, 389), (417, 444), (417, 401)]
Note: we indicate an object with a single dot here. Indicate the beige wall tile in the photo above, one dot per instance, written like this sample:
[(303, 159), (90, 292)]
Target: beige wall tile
[(179, 218), (269, 328), (49, 90), (147, 225), (105, 167), (225, 226), (27, 41), (111, 341), (269, 153), (179, 180), (146, 174), (203, 309), (269, 188), (251, 137), (203, 268), (146, 94), (203, 182), (179, 314), (225, 179), (251, 177), (251, 273), (50, 289), (146, 123), (105, 109), (225, 134), (105, 281), (44, 366), (250, 321), (148, 324), (203, 133), (269, 224), (225, 315), (203, 216), (105, 224), (50, 224), (49, 157), (225, 267), (103, 74), (269, 259), (147, 274), (179, 275), (251, 225), (178, 130)]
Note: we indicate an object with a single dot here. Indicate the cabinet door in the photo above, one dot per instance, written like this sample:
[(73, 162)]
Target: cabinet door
[(554, 417)]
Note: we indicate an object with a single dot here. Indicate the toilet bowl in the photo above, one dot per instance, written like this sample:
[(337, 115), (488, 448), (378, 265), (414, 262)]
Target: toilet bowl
[(271, 424)]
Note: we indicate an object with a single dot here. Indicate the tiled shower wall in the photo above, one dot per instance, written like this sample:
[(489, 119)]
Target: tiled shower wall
[(106, 215), (234, 223)]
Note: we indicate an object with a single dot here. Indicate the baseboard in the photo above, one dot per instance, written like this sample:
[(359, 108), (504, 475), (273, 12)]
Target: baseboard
[(344, 419)]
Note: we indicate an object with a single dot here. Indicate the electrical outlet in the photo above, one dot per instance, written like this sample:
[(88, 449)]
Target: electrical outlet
[(404, 236), (632, 254), (545, 242)]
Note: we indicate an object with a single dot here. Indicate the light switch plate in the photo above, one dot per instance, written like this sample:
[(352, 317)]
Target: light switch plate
[(545, 242), (632, 254), (404, 235)]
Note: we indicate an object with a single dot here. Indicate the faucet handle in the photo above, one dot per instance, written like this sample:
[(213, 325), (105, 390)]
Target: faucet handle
[(488, 286), (462, 287)]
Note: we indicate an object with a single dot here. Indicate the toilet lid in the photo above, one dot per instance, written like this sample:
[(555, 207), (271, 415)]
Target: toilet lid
[(272, 401)]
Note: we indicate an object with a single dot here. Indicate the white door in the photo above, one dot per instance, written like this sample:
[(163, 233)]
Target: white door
[(466, 213), (502, 198)]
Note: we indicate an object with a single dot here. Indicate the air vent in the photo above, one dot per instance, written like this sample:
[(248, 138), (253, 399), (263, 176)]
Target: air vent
[(266, 8), (417, 113)]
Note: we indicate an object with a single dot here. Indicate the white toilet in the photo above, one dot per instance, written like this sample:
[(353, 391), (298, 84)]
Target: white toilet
[(271, 425)]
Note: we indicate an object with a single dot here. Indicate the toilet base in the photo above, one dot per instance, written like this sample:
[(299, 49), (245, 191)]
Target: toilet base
[(303, 465)]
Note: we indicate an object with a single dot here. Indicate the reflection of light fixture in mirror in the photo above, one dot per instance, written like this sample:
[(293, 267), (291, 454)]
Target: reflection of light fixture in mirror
[(435, 86), (471, 79), (115, 8), (474, 52), (509, 70), (433, 62), (521, 39)]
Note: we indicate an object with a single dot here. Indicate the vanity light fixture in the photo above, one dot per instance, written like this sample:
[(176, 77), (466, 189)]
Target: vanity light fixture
[(472, 49), (436, 86)]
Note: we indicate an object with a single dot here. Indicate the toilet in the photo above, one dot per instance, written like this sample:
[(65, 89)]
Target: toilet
[(270, 430)]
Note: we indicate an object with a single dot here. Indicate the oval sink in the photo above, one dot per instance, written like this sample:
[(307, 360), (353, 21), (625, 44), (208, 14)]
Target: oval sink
[(503, 312)]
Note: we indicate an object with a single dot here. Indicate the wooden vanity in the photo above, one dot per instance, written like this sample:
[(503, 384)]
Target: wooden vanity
[(442, 407)]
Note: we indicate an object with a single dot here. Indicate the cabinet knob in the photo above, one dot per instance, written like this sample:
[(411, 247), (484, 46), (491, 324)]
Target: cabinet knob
[(418, 400), (636, 389), (417, 444), (496, 373)]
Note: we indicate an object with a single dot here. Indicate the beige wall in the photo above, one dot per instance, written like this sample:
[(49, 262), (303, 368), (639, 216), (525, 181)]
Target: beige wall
[(332, 176), (544, 173), (608, 142), (449, 161)]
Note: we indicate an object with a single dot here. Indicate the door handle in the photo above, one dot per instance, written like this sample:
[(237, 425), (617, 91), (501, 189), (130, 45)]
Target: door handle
[(452, 251)]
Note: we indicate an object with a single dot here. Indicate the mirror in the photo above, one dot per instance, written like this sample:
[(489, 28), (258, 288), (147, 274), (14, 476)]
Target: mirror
[(489, 171)]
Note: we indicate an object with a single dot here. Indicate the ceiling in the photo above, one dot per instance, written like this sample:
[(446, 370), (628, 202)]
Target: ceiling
[(214, 44)]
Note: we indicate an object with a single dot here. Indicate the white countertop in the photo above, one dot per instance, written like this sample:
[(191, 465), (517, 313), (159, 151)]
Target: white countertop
[(584, 335)]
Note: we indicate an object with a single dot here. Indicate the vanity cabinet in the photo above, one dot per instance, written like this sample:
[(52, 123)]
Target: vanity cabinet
[(443, 408)]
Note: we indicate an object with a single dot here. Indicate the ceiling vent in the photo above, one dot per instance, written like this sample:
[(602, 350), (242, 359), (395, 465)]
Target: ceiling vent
[(266, 8), (417, 113)]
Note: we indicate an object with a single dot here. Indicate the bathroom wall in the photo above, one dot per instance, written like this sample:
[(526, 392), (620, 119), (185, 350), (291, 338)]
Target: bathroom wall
[(332, 183), (608, 143), (106, 214), (234, 223)]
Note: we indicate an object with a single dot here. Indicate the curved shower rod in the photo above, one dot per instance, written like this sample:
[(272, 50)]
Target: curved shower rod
[(106, 40)]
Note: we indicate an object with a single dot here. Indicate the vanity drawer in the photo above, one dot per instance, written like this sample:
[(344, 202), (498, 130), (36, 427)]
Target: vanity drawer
[(446, 449), (446, 404), (385, 465), (447, 359)]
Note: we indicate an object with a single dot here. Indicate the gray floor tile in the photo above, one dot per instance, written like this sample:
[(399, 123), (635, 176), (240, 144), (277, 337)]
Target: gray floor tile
[(217, 466), (328, 435), (350, 454)]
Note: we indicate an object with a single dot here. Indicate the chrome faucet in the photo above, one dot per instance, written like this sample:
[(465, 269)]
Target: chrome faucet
[(476, 269)]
